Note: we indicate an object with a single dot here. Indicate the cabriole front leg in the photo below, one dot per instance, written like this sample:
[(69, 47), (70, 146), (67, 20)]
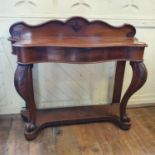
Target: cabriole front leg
[(138, 79), (24, 86)]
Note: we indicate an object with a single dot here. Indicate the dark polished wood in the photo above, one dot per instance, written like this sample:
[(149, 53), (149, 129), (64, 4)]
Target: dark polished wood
[(76, 41), (24, 86), (119, 76), (138, 79)]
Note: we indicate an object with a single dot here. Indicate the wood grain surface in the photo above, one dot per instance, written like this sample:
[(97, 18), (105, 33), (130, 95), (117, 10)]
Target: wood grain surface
[(90, 139)]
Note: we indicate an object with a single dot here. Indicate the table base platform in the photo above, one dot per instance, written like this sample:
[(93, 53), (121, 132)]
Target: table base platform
[(74, 115)]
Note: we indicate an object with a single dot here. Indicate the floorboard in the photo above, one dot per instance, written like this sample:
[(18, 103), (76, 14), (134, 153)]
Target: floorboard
[(86, 139)]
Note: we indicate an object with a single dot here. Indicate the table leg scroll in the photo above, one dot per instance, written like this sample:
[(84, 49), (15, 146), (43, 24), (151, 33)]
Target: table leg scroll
[(138, 79), (24, 86)]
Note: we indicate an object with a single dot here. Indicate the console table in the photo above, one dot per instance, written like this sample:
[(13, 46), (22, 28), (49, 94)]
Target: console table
[(78, 41)]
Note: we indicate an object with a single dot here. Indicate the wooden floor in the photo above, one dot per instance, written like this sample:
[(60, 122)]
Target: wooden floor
[(90, 139)]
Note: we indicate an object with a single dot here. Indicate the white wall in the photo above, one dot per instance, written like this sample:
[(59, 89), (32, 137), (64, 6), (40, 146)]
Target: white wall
[(69, 85)]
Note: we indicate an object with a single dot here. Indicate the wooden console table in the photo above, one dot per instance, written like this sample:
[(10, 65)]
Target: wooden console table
[(76, 41)]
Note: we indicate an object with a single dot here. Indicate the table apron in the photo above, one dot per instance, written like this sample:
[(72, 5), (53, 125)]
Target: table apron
[(32, 55)]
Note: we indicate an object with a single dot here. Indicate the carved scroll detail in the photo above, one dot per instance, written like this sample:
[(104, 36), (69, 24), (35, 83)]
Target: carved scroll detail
[(131, 4), (81, 3), (138, 80), (24, 86), (21, 2)]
